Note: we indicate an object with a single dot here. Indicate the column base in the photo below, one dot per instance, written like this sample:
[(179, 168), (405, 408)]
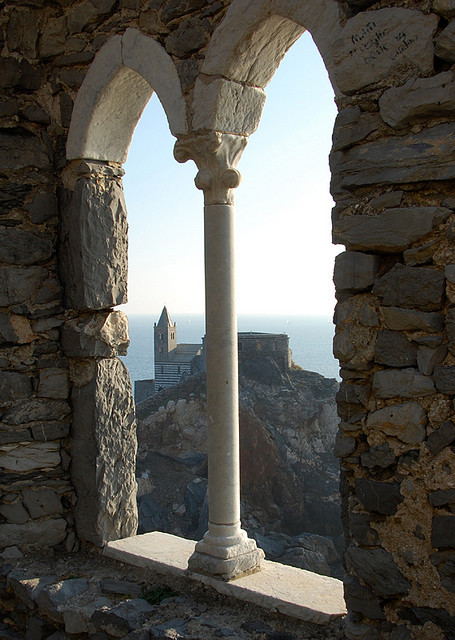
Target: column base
[(226, 558), (226, 569)]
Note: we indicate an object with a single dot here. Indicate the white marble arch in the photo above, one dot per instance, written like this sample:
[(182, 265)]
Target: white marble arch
[(246, 50), (118, 85)]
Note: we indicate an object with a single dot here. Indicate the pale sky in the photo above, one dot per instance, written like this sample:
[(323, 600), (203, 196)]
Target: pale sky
[(284, 255)]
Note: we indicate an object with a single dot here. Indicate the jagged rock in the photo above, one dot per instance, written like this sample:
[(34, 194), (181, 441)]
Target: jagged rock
[(54, 596), (378, 570), (443, 532), (392, 348), (354, 271), (405, 382), (411, 287), (42, 502), (378, 497), (445, 44), (118, 620), (411, 320), (52, 530), (405, 421)]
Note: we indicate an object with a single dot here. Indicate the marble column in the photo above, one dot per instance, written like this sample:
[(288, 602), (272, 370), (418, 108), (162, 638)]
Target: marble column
[(225, 551)]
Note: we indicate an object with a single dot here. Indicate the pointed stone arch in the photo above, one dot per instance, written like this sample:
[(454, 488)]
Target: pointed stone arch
[(117, 87)]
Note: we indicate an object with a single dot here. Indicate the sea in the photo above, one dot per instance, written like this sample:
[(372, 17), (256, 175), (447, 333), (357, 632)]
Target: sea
[(310, 339)]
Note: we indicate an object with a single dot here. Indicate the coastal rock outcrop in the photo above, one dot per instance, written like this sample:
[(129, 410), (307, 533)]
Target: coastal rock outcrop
[(289, 474)]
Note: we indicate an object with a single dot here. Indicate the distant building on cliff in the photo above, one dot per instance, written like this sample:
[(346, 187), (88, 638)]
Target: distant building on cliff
[(173, 361)]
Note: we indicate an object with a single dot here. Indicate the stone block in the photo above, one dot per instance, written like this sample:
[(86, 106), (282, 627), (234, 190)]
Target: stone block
[(53, 383), (19, 247), (14, 513), (378, 571), (411, 287), (420, 255), (379, 457), (411, 158), (174, 9), (190, 36), (38, 533), (351, 400), (444, 379), (15, 435), (442, 497), (411, 320), (45, 431), (18, 284), (54, 596), (373, 43), (445, 44), (428, 358), (443, 532), (419, 99), (344, 446), (53, 38), (42, 207), (120, 619), (403, 421), (442, 437), (27, 588), (94, 245), (14, 386), (102, 334), (407, 383), (353, 126), (36, 409), (29, 457), (15, 329), (391, 231), (378, 497), (20, 149), (227, 106), (359, 524), (395, 350), (20, 75), (42, 502), (444, 561), (104, 455), (359, 598), (354, 271)]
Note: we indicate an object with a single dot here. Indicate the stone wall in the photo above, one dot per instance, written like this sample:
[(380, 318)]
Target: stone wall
[(66, 417)]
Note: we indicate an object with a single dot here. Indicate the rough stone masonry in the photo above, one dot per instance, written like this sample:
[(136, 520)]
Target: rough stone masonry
[(75, 76)]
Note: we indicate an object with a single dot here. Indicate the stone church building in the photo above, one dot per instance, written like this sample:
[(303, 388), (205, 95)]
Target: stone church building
[(75, 76)]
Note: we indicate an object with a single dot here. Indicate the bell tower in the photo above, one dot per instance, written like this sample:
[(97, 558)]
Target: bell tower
[(165, 337)]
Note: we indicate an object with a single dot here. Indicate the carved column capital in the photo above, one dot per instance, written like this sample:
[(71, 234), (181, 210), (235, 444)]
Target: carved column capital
[(216, 156)]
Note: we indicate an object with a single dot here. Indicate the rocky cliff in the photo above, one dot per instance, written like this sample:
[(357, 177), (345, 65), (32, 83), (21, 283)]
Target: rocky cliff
[(289, 475)]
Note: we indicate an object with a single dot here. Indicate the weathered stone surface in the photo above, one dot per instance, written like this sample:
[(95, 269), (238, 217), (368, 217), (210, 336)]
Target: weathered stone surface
[(102, 334), (86, 12), (375, 42), (20, 75), (53, 383), (94, 246), (450, 328), (353, 126), (378, 570), (442, 497), (419, 99), (26, 588), (20, 149), (34, 532), (14, 386), (411, 158), (14, 513), (359, 524), (53, 38), (445, 44), (51, 597), (378, 497), (42, 502), (114, 586), (444, 561), (445, 7), (189, 37), (118, 620), (42, 207), (50, 431), (444, 379), (23, 247), (354, 271), (443, 532), (395, 350), (442, 437), (19, 284), (27, 457), (411, 287), (391, 231), (37, 409), (410, 320), (381, 456), (387, 200), (21, 32), (406, 382), (174, 9), (404, 421), (344, 446), (428, 358), (15, 435), (359, 598), (104, 455), (420, 255)]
